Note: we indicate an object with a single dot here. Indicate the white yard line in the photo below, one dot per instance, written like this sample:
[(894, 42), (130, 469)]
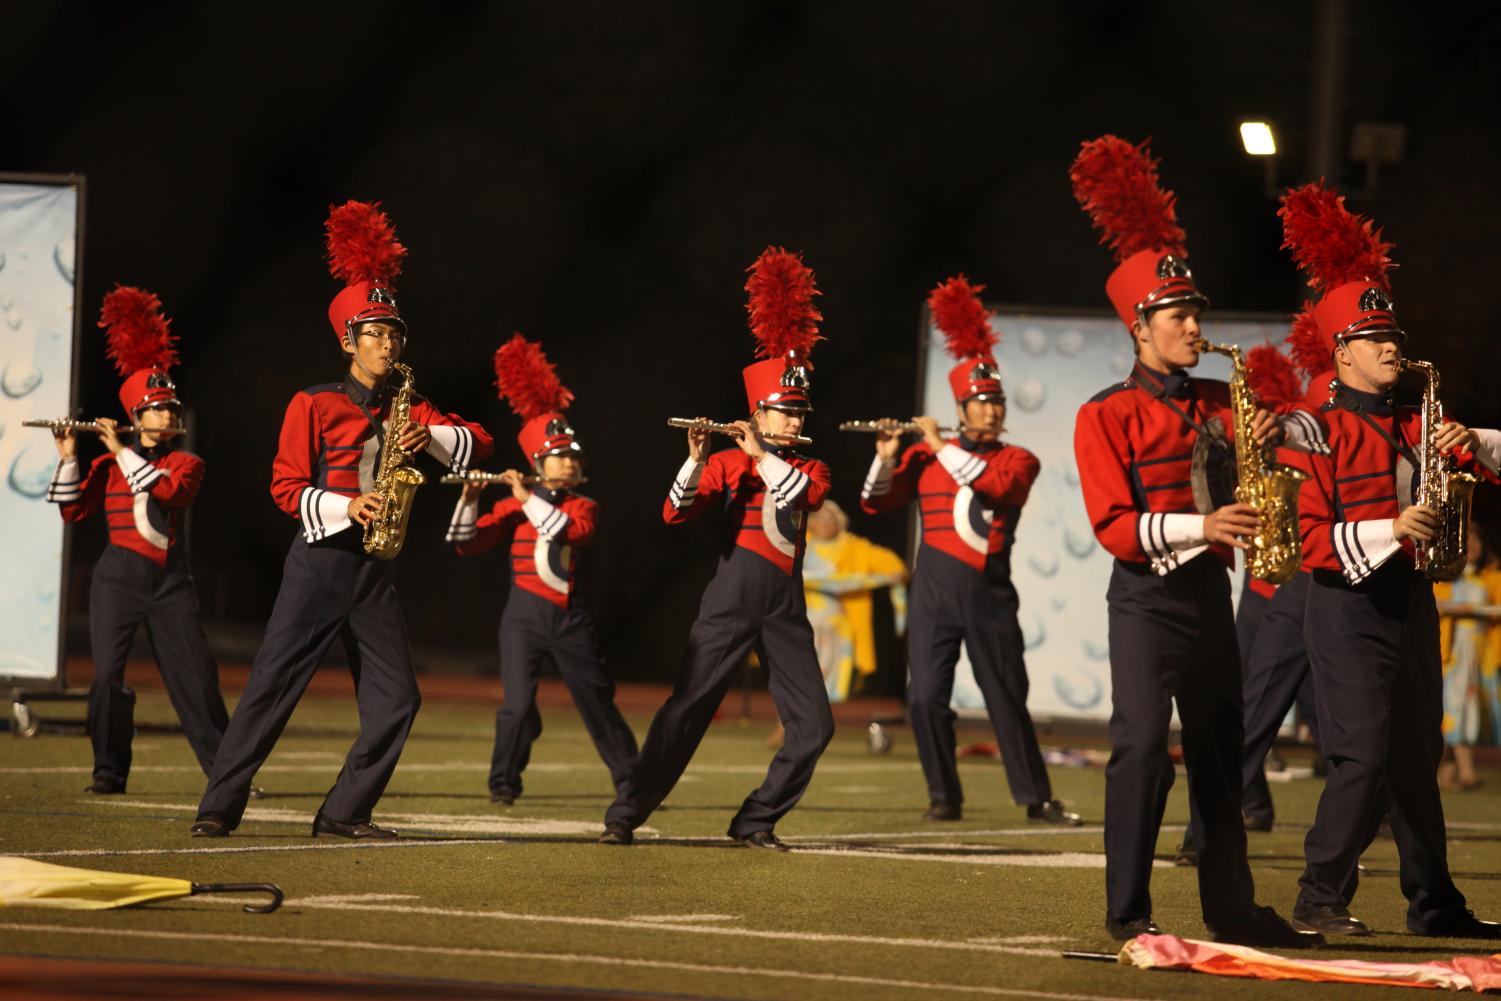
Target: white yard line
[(681, 919), (448, 823), (1020, 860), (912, 986), (322, 846)]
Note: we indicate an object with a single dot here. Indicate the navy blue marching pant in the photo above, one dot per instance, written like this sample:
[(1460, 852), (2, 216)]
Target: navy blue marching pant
[(952, 603), (533, 629), (329, 590), (749, 605), (127, 591), (1379, 688), (1173, 638), (1276, 674)]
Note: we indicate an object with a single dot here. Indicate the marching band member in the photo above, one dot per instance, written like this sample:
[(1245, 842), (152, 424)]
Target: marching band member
[(1371, 624), (970, 489), (543, 619), (332, 442), (144, 489), (755, 600), (1172, 632)]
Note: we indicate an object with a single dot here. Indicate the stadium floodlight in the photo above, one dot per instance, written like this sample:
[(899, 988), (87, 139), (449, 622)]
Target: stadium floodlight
[(1258, 139)]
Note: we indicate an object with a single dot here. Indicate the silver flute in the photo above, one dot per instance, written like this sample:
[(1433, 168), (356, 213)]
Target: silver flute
[(693, 424)]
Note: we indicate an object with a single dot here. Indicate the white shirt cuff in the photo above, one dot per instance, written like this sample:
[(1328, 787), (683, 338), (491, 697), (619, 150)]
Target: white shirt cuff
[(66, 486), (878, 479), (548, 519), (785, 481), (451, 445), (685, 486), (461, 527), (1303, 433), (140, 475), (1362, 546), (1488, 448), (964, 467), (1171, 540), (323, 513)]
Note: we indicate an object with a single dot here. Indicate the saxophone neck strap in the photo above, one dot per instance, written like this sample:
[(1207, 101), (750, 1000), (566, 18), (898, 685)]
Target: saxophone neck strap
[(1159, 393), (1347, 401), (363, 401)]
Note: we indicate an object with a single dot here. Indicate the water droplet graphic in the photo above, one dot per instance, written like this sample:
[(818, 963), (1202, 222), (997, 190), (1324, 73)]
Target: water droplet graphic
[(1033, 631), (21, 377), (1059, 602), (1096, 649), (1035, 341), (1121, 362), (1078, 692), (1079, 542), (62, 254), (1031, 395), (1071, 475), (1069, 343), (14, 320), (1044, 564), (32, 471)]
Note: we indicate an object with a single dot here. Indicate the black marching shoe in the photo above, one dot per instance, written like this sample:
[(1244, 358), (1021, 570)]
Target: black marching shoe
[(944, 811), (364, 831), (104, 787), (1331, 919), (1187, 857), (1253, 822), (210, 825), (1264, 928), (1125, 931), (256, 792), (616, 833), (1052, 812), (763, 839), (1456, 924), (502, 797)]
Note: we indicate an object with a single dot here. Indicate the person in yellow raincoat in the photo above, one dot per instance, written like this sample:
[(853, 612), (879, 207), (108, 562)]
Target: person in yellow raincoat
[(1471, 650), (840, 572)]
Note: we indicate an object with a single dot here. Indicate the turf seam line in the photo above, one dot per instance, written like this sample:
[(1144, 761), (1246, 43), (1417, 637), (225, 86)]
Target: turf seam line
[(563, 957)]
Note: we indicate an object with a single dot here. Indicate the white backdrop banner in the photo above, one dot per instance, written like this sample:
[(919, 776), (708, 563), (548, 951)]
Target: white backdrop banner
[(38, 224), (1050, 366)]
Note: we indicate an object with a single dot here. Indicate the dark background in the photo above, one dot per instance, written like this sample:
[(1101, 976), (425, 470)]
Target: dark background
[(599, 175)]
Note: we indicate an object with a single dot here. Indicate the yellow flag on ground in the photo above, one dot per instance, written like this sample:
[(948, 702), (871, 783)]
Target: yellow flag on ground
[(26, 882)]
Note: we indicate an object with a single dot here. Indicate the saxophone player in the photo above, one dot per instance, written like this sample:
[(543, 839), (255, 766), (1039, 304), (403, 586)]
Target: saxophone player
[(1172, 632), (332, 441), (1370, 624)]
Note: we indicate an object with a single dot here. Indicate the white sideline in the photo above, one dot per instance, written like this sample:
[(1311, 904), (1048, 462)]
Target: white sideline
[(562, 957)]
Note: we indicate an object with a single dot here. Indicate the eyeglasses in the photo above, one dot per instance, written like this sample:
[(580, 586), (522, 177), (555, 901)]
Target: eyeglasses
[(394, 338)]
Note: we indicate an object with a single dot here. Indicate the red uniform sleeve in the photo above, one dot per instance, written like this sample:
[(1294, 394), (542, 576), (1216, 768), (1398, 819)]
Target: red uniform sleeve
[(582, 513), (492, 529), (296, 453), (882, 494), (182, 475), (91, 497), (459, 450), (819, 484), (1008, 480), (1316, 511), (1102, 452), (694, 489)]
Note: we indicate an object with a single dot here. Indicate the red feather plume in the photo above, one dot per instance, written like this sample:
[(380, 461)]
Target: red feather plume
[(527, 380), (1272, 376), (1332, 245), (1116, 183), (780, 303), (1309, 349), (963, 318), (139, 336), (362, 245)]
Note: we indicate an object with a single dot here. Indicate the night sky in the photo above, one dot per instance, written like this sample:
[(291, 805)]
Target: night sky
[(598, 176)]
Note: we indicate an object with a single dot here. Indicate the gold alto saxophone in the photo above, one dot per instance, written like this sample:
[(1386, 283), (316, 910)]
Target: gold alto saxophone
[(1440, 487), (396, 481), (1270, 488)]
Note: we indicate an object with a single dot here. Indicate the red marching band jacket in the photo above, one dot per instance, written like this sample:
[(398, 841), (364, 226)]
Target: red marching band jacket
[(329, 453), (1347, 505), (970, 501), (765, 504), (1135, 456), (543, 533), (143, 495)]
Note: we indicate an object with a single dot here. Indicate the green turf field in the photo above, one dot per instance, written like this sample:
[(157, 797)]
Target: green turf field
[(874, 904)]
